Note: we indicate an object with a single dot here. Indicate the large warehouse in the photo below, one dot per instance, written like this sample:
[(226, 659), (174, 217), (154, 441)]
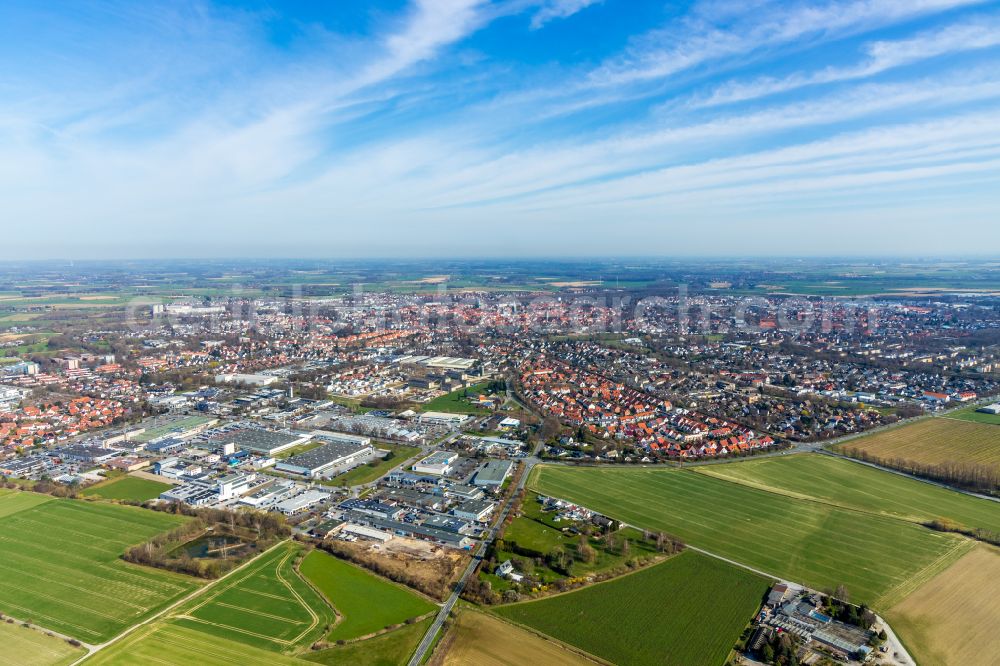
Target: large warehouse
[(264, 442), (323, 458)]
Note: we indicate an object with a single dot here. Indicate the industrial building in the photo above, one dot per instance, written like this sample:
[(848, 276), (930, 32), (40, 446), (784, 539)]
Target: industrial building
[(264, 442), (493, 473), (332, 454), (438, 463)]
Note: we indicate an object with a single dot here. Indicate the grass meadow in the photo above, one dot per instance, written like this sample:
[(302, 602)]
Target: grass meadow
[(127, 488), (686, 611), (365, 602)]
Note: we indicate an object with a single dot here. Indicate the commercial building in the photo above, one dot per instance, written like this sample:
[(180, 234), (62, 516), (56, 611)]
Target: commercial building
[(493, 473), (302, 502), (249, 380), (477, 510), (438, 463), (443, 418), (323, 458)]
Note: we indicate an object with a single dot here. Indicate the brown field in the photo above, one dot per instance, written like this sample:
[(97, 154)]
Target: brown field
[(483, 640), (935, 441), (954, 618)]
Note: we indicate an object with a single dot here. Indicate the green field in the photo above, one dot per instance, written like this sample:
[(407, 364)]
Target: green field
[(391, 649), (23, 646), (457, 402), (687, 611), (60, 566), (970, 414), (368, 473), (127, 488), (823, 546), (266, 604), (855, 486), (366, 603), (167, 644)]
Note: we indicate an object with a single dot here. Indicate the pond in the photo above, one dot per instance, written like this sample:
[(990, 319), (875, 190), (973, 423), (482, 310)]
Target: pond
[(212, 546)]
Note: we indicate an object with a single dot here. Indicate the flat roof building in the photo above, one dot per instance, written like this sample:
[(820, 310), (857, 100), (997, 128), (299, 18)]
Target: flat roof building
[(493, 473), (323, 458), (438, 463), (264, 442)]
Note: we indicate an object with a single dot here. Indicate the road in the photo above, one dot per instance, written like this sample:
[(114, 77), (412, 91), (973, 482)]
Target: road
[(442, 615)]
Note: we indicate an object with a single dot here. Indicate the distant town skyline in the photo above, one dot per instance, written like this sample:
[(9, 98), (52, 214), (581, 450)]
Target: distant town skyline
[(470, 128)]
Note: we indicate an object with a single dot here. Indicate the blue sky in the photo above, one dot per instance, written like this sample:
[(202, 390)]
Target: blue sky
[(504, 128)]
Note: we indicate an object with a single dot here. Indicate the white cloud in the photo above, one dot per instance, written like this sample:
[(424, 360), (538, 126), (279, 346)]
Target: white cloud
[(559, 9), (980, 33)]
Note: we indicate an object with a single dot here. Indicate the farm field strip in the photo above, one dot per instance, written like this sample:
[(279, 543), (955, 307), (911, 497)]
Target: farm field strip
[(840, 482), (13, 501), (697, 604), (954, 618), (267, 605), (809, 542), (23, 646), (60, 566), (934, 441), (476, 636), (168, 644)]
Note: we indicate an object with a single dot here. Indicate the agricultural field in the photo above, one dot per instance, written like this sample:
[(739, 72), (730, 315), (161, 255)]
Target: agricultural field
[(60, 565), (24, 646), (686, 611), (851, 485), (127, 488), (877, 558), (474, 637), (167, 644), (391, 649), (266, 604), (955, 618), (366, 604), (457, 402), (934, 441)]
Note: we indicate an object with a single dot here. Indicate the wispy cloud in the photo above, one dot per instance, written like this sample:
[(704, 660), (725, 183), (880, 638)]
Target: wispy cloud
[(979, 33), (558, 9)]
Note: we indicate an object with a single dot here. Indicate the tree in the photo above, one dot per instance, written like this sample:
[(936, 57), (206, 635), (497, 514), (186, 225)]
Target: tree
[(842, 593), (584, 551)]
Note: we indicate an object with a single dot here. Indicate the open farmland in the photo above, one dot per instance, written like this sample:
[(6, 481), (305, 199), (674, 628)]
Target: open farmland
[(266, 604), (24, 646), (60, 565), (954, 618), (366, 603), (933, 441), (876, 558), (167, 644), (475, 636), (127, 488), (687, 611), (852, 485)]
